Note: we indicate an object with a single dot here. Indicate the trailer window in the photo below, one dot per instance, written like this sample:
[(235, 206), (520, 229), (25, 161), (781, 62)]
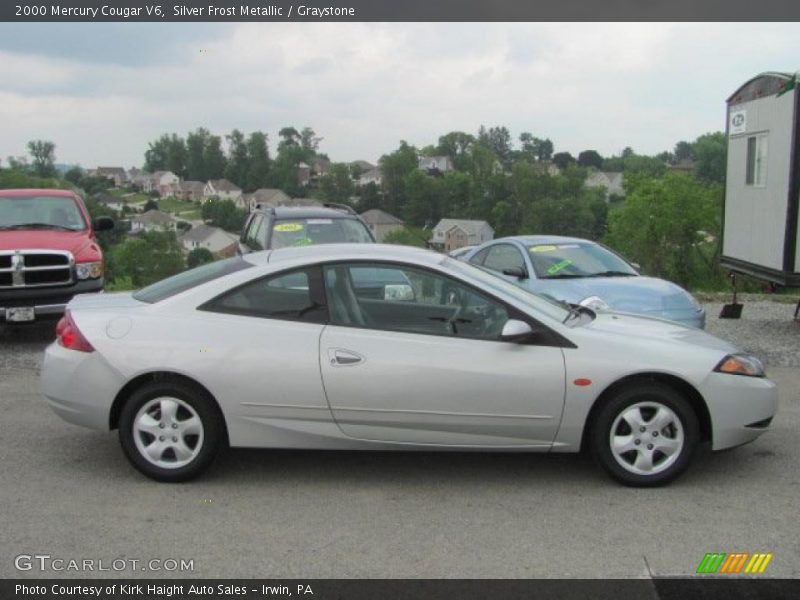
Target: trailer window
[(756, 172)]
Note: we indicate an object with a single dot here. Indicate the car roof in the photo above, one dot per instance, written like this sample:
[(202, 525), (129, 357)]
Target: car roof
[(333, 252), (532, 240), (38, 192), (310, 212)]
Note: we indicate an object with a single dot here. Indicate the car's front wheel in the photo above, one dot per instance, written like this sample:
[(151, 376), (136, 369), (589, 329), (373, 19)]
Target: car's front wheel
[(170, 431), (645, 435)]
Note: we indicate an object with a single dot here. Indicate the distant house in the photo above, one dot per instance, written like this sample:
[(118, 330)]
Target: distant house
[(381, 223), (160, 182), (450, 234), (264, 196), (138, 177), (362, 165), (115, 174), (153, 220), (222, 189), (374, 175), (109, 201), (320, 167), (218, 241), (303, 174), (550, 168), (189, 190), (436, 165), (685, 165), (610, 181)]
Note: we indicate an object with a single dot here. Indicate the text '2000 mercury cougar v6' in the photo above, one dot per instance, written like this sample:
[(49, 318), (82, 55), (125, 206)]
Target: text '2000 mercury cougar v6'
[(279, 349)]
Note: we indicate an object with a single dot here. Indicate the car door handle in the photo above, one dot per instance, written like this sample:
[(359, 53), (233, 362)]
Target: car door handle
[(344, 358)]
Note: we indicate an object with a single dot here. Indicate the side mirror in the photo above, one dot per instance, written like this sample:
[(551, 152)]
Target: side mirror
[(515, 331), (637, 267), (517, 272), (103, 224)]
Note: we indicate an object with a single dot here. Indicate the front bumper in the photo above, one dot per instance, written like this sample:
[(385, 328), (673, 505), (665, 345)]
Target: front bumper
[(46, 301), (741, 408)]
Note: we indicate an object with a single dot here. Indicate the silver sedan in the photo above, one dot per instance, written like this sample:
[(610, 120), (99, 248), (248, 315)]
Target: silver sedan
[(279, 349)]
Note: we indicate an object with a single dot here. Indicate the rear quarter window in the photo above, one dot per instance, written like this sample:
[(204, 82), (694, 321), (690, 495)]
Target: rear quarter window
[(187, 280)]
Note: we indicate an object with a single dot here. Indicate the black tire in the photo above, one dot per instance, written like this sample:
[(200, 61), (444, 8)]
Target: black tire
[(666, 468), (206, 446)]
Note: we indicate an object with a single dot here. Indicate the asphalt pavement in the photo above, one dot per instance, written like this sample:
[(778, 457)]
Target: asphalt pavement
[(69, 493)]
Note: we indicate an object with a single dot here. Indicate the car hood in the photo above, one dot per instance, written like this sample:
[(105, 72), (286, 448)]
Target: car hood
[(634, 294), (47, 239), (649, 330)]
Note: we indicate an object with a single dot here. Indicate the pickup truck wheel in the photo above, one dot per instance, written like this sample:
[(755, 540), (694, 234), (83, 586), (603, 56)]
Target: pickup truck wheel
[(170, 431), (645, 435)]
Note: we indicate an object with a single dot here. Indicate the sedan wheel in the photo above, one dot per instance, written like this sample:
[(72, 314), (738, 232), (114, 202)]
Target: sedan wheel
[(645, 435), (170, 431)]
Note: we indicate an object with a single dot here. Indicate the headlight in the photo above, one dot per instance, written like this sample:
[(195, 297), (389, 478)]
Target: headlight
[(89, 270), (595, 303), (741, 364)]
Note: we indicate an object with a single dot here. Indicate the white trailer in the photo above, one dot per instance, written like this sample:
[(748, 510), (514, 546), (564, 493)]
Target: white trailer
[(762, 189)]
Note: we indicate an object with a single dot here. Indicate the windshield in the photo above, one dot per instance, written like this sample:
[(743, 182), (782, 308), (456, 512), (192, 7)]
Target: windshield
[(491, 282), (556, 261), (40, 212), (306, 232)]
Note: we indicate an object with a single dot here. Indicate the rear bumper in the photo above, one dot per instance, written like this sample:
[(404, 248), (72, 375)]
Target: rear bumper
[(79, 386), (46, 302)]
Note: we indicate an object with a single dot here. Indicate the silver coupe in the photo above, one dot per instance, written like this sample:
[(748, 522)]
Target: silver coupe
[(279, 349)]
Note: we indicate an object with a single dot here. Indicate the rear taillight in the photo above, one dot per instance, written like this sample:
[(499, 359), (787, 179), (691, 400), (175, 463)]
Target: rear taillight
[(70, 336)]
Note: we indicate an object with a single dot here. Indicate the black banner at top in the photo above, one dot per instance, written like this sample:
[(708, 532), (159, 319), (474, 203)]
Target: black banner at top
[(394, 10)]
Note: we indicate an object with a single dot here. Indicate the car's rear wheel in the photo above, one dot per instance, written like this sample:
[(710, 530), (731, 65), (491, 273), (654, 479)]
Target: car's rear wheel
[(170, 431), (645, 435)]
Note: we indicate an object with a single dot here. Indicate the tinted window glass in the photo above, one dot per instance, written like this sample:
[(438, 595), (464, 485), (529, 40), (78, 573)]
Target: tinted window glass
[(188, 279), (255, 233), (413, 301), (283, 296), (305, 232), (480, 257), (503, 256)]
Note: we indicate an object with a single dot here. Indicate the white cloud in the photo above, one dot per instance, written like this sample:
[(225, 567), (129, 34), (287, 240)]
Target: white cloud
[(364, 87)]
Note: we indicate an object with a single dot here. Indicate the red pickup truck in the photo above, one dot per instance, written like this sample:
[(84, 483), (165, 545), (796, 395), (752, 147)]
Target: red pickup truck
[(48, 252)]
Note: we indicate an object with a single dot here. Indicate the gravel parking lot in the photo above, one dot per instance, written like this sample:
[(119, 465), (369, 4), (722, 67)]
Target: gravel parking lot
[(69, 493)]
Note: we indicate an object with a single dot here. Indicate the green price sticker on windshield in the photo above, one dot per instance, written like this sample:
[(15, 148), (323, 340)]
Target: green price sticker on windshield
[(288, 227), (559, 266)]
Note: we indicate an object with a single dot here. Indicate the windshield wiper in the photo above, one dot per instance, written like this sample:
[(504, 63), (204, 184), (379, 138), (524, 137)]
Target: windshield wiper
[(38, 226), (562, 276), (612, 274)]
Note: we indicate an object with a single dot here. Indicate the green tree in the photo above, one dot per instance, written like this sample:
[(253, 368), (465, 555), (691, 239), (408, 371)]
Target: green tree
[(148, 258), (590, 158), (337, 185), (214, 159), (238, 161), (710, 157), (563, 160), (43, 156), (198, 256), (196, 143), (394, 169), (663, 224), (258, 162), (409, 236), (224, 214)]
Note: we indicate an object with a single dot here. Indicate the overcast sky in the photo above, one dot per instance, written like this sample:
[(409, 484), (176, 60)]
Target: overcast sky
[(101, 91)]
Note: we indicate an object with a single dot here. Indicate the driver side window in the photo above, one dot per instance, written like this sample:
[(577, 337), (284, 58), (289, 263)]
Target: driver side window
[(411, 300)]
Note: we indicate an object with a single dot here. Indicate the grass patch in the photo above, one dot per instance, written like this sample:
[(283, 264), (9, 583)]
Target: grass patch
[(173, 205)]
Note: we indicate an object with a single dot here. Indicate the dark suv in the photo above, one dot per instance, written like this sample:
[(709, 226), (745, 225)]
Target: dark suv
[(281, 227)]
